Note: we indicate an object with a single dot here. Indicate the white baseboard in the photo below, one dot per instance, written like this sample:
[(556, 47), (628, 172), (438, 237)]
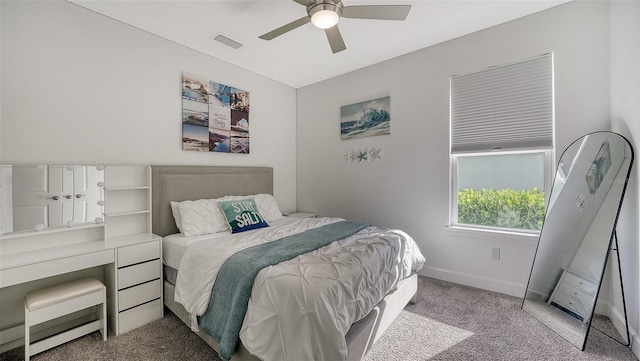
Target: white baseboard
[(617, 318), (486, 283), (602, 308), (635, 343)]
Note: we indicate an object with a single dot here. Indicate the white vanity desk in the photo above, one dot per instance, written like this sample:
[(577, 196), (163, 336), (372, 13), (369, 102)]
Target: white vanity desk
[(47, 262), (121, 251), (132, 274), (42, 263)]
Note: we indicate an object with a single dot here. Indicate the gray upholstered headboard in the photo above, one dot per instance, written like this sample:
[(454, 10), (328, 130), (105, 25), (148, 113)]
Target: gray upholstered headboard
[(180, 183)]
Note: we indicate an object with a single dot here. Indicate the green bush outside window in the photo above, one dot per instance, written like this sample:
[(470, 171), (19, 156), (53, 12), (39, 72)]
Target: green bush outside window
[(506, 208)]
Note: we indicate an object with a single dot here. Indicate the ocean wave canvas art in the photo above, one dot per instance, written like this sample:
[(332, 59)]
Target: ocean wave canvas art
[(365, 119)]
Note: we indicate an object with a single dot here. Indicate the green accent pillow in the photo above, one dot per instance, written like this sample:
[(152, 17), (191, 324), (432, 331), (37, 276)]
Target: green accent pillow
[(242, 215)]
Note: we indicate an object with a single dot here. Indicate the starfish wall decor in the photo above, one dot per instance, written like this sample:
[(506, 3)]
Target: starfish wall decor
[(360, 156)]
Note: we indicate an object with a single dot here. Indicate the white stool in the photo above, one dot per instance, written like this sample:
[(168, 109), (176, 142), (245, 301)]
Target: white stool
[(63, 299)]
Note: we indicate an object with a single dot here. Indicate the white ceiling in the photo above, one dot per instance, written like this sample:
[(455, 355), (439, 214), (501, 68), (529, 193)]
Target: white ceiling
[(303, 56)]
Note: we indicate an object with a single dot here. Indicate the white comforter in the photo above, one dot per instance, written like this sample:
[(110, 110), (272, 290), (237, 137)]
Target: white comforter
[(302, 309)]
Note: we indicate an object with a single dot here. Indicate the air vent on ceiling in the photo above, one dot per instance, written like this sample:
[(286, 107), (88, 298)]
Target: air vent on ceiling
[(226, 41)]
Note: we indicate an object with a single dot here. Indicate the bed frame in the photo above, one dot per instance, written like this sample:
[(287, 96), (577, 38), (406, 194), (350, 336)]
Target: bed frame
[(179, 183)]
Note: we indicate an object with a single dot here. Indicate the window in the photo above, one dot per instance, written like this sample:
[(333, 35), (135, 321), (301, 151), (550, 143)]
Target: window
[(500, 190), (501, 145)]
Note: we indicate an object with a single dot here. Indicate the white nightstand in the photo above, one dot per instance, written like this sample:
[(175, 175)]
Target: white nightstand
[(302, 215)]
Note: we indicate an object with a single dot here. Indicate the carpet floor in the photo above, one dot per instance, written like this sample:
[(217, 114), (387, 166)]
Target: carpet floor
[(449, 322)]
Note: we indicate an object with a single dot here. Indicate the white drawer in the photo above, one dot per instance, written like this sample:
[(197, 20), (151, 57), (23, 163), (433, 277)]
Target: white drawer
[(138, 253), (140, 315), (139, 273), (576, 293), (571, 304), (139, 294), (580, 283)]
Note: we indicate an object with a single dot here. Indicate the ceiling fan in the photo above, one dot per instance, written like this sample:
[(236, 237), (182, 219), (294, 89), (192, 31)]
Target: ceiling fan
[(325, 14)]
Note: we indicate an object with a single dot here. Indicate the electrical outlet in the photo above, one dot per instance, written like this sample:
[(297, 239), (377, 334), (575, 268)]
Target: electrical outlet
[(495, 254)]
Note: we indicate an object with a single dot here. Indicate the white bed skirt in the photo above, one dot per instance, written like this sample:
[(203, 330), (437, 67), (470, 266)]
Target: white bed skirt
[(361, 336)]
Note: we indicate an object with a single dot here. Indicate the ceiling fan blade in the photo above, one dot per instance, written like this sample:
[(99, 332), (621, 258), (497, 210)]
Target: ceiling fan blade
[(283, 29), (304, 2), (379, 12), (335, 39)]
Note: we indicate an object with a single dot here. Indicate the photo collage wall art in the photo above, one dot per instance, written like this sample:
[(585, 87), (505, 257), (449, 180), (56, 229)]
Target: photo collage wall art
[(215, 117)]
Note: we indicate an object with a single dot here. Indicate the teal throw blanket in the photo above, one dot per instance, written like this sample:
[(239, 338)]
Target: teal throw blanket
[(232, 288)]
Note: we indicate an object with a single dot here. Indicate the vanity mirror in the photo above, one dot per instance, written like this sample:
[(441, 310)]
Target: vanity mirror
[(578, 234), (38, 197)]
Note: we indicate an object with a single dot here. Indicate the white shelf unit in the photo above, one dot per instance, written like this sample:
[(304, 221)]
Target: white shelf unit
[(127, 207), (135, 279)]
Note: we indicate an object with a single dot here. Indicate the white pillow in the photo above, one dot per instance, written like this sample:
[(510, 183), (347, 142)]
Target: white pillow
[(176, 214), (267, 205), (201, 217)]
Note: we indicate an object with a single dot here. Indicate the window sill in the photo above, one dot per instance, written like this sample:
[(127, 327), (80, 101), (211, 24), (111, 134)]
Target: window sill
[(529, 239)]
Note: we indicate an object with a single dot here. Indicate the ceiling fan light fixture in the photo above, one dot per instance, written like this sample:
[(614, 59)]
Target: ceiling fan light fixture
[(324, 15), (324, 19)]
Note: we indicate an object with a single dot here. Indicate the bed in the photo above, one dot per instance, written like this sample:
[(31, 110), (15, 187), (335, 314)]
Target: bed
[(373, 313)]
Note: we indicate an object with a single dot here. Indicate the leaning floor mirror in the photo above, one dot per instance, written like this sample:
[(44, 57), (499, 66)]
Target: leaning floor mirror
[(578, 234)]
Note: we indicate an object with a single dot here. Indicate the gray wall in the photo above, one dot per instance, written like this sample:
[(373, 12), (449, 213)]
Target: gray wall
[(625, 119), (78, 87), (409, 187)]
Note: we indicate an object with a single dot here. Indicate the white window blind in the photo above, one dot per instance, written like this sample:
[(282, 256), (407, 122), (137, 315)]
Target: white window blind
[(506, 107)]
